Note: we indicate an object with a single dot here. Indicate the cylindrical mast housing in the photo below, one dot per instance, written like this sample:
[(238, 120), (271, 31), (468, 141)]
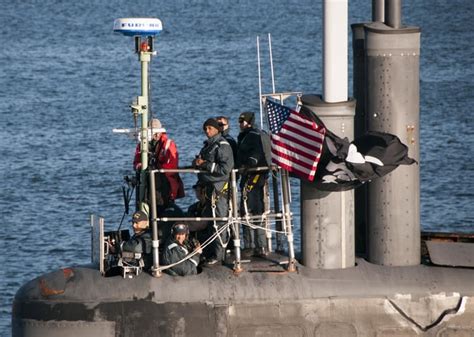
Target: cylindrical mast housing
[(327, 231), (327, 220), (392, 104)]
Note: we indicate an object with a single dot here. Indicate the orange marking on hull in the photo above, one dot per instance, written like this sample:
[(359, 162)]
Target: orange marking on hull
[(47, 291)]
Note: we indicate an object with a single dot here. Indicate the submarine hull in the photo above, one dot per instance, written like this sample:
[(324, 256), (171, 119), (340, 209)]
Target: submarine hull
[(366, 300)]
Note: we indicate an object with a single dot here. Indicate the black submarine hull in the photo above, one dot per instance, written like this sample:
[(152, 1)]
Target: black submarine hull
[(366, 300)]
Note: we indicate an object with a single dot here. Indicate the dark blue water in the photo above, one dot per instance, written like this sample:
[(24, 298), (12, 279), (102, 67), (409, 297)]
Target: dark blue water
[(66, 80)]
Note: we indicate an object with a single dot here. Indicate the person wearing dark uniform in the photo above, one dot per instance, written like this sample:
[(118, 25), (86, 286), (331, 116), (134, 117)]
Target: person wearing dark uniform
[(198, 229), (177, 248), (140, 242), (170, 210), (250, 153), (224, 124), (216, 160), (225, 128)]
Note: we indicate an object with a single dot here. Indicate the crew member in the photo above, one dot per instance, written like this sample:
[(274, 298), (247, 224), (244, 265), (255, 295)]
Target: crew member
[(177, 248), (163, 155), (216, 160), (225, 128), (224, 125), (140, 242), (250, 154), (198, 209)]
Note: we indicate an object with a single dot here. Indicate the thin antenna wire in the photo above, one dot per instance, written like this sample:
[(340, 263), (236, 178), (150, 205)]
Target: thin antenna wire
[(271, 61), (259, 83)]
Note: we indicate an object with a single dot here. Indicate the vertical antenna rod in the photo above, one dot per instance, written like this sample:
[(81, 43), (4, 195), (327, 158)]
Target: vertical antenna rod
[(259, 82), (378, 10), (271, 62), (335, 54)]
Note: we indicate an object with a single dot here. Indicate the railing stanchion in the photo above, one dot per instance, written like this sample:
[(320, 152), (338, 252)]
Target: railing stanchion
[(235, 223), (276, 203), (154, 228), (287, 217)]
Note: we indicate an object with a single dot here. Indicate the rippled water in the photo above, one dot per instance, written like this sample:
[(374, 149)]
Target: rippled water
[(66, 81)]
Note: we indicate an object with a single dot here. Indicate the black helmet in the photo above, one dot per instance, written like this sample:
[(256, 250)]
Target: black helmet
[(179, 228)]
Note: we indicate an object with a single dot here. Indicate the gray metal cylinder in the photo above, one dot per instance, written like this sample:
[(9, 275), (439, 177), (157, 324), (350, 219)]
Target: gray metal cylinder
[(378, 10), (327, 219), (393, 13), (360, 128), (392, 101)]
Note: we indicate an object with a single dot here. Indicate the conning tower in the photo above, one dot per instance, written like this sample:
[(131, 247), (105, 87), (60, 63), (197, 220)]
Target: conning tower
[(386, 87)]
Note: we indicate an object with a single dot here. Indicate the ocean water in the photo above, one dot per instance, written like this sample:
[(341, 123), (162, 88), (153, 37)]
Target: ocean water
[(66, 80)]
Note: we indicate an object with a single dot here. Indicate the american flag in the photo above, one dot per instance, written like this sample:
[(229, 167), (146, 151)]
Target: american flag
[(297, 141)]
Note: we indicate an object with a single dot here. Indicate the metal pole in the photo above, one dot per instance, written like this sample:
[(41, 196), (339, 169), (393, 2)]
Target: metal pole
[(145, 58), (92, 238), (101, 246), (393, 13), (276, 202), (335, 54), (154, 229), (378, 10), (259, 82), (271, 62), (250, 217), (287, 216), (235, 226), (268, 234)]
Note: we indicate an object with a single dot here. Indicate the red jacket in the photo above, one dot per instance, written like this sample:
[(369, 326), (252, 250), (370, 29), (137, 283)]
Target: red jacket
[(166, 157)]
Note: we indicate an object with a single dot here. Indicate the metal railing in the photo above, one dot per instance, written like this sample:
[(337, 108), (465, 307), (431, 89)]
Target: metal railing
[(280, 216)]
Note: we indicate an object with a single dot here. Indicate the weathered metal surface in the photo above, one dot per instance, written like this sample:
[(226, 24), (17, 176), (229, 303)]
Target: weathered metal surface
[(38, 328), (392, 105), (327, 219), (460, 254), (366, 300)]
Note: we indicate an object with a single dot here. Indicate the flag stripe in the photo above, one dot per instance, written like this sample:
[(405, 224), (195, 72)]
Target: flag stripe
[(310, 154), (305, 123), (310, 135), (297, 139), (301, 163), (287, 165)]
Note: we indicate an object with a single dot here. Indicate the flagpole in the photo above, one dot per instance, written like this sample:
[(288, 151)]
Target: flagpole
[(259, 83), (271, 62)]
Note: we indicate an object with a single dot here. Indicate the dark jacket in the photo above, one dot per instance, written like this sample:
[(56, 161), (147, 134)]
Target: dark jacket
[(219, 160), (232, 143), (171, 210), (140, 243), (250, 153), (175, 252)]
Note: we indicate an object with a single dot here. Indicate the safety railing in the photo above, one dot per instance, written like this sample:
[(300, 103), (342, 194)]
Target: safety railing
[(276, 220), (280, 215)]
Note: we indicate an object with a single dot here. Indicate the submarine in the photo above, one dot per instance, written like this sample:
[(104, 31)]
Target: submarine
[(364, 270)]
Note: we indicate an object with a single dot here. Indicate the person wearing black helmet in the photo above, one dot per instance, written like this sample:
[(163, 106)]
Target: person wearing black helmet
[(177, 248)]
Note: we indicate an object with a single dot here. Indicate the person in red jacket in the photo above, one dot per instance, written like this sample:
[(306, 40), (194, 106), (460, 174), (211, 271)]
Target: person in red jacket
[(163, 154)]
